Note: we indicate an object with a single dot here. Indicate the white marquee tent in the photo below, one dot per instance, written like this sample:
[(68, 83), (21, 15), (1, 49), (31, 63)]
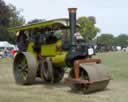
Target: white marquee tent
[(6, 44)]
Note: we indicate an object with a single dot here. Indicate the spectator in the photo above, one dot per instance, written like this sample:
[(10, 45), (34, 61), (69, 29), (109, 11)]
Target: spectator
[(12, 52)]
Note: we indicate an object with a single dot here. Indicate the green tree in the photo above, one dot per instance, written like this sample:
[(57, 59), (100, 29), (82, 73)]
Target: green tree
[(9, 17), (4, 20), (105, 42), (105, 39), (121, 40), (87, 28), (15, 20)]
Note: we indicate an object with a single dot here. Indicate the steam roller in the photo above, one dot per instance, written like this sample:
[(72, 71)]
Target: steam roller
[(45, 56)]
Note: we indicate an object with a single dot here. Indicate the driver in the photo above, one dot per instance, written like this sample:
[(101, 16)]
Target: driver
[(78, 38), (21, 40)]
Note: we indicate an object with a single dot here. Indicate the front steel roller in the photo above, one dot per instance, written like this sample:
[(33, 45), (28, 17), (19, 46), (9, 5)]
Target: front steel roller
[(24, 68), (96, 75)]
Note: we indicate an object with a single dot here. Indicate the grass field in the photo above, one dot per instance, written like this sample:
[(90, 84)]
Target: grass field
[(117, 90)]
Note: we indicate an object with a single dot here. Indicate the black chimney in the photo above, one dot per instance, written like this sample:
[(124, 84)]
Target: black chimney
[(72, 21)]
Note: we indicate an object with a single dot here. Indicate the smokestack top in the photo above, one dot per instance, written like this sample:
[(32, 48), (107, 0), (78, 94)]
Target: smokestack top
[(72, 10)]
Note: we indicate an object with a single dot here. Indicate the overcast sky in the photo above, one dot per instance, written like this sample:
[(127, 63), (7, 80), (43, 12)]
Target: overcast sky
[(111, 15)]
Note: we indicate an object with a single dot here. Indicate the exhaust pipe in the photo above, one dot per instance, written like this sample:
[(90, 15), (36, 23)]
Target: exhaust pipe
[(72, 22)]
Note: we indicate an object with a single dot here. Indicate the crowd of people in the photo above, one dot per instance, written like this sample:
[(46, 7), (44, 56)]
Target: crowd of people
[(7, 52)]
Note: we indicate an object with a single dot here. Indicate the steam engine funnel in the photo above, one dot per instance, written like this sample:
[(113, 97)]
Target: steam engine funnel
[(72, 21)]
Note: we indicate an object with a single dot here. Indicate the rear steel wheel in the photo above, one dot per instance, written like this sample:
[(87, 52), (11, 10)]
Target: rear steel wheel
[(49, 72), (46, 70), (24, 68)]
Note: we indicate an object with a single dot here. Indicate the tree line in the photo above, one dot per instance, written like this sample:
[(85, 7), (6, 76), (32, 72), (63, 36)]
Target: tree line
[(110, 40), (9, 17)]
